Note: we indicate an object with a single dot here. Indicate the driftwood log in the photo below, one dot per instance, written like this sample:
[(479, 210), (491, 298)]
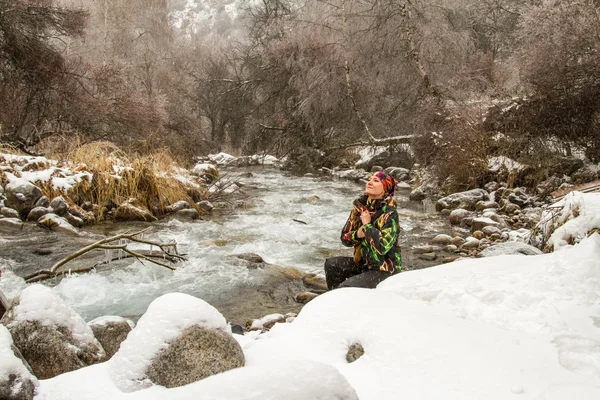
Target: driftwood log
[(167, 255)]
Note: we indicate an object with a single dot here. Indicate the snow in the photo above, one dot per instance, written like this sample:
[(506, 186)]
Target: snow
[(61, 178), (10, 363), (200, 169), (496, 163), (368, 153), (108, 319), (165, 319), (222, 158), (579, 213)]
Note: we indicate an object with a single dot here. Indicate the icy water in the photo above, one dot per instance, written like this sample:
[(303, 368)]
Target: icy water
[(290, 221)]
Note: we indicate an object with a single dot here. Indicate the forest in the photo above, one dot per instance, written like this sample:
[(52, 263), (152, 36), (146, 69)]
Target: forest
[(458, 80)]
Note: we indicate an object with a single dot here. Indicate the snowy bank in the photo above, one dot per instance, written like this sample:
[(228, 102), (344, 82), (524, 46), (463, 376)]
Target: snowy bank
[(507, 327)]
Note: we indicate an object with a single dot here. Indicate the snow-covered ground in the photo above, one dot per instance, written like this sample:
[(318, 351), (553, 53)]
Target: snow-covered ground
[(506, 327)]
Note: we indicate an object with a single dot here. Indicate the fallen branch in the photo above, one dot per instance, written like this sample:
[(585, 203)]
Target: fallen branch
[(406, 139), (167, 250)]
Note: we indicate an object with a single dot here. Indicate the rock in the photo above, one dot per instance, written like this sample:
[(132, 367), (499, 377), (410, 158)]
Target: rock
[(428, 256), (510, 248), (399, 174), (187, 214), (196, 354), (466, 200), (458, 241), (478, 235), (42, 202), (482, 205), (250, 257), (313, 281), (37, 213), (355, 351), (491, 186), (422, 249), (205, 205), (22, 195), (180, 205), (471, 243), (305, 297), (59, 205), (237, 329), (74, 220), (456, 216), (441, 239), (52, 337), (510, 208), (376, 168), (520, 200), (87, 216), (268, 321), (479, 223), (110, 331), (10, 225), (451, 248), (132, 210), (58, 224), (16, 381), (9, 212), (417, 195), (490, 230)]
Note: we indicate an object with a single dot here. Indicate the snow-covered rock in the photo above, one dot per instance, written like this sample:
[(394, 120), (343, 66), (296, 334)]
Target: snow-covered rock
[(510, 248), (466, 200), (52, 337), (16, 382), (159, 332), (22, 195)]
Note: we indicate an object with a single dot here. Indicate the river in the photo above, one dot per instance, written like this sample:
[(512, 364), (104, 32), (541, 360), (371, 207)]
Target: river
[(288, 220)]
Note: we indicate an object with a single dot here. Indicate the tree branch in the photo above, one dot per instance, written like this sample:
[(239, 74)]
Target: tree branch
[(104, 244)]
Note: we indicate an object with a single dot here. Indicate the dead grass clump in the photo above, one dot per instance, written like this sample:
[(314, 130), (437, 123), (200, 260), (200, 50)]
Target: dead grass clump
[(118, 177)]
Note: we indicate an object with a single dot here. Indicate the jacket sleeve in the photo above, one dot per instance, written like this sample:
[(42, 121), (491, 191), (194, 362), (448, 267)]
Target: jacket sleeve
[(380, 241), (348, 236)]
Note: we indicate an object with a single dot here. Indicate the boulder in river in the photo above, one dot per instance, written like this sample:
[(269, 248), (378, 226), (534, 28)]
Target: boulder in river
[(55, 223), (52, 337)]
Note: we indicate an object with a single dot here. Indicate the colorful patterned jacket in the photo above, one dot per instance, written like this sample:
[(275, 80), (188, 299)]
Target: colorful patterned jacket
[(379, 248)]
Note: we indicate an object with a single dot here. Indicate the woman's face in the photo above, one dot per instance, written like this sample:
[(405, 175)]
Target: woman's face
[(374, 188)]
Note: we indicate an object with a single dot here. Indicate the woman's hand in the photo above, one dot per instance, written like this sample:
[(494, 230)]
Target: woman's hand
[(365, 217), (360, 233)]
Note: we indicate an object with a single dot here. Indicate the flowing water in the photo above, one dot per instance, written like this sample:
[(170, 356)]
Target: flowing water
[(289, 221)]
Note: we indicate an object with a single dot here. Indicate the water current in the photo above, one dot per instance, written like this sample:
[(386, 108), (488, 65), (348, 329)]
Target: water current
[(289, 221)]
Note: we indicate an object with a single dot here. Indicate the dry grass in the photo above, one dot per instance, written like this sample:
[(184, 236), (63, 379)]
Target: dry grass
[(146, 178)]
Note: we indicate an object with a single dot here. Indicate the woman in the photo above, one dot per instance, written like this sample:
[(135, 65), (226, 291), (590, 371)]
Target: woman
[(373, 230)]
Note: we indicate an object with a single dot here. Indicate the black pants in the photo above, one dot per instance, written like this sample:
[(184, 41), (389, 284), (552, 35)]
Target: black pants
[(343, 272)]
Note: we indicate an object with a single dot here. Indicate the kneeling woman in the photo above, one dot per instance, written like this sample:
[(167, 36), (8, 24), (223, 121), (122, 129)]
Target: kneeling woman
[(373, 230)]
